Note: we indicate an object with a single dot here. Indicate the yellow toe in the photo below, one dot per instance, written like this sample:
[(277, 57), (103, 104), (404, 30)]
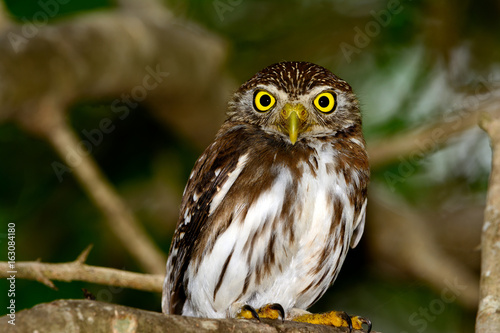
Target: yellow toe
[(335, 318), (247, 312), (332, 318), (271, 311)]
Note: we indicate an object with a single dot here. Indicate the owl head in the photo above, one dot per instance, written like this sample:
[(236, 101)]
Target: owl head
[(296, 100)]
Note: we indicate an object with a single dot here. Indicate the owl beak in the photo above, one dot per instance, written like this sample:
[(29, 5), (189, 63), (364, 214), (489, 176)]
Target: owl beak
[(295, 117)]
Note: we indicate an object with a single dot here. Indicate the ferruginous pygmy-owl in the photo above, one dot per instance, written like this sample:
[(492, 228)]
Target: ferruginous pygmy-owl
[(274, 203)]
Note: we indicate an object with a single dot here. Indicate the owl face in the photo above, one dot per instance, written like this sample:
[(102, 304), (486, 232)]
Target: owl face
[(296, 100)]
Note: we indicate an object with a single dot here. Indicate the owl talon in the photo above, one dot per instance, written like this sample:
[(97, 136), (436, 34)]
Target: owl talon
[(272, 311), (248, 312), (279, 308), (346, 318), (359, 321)]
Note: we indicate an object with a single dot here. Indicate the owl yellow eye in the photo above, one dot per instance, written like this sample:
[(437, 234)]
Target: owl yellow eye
[(325, 102), (263, 100)]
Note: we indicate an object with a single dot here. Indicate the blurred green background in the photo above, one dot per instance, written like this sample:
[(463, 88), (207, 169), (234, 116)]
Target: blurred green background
[(415, 66)]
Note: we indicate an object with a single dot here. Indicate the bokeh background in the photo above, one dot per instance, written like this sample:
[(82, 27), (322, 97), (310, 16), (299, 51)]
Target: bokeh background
[(413, 65)]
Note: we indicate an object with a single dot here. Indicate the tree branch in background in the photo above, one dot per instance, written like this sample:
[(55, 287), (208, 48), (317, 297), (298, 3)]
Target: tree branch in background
[(47, 122), (488, 315), (426, 139), (146, 53), (138, 52), (79, 271), (119, 217)]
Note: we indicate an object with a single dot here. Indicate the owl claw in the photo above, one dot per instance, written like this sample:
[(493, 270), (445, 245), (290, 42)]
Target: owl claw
[(343, 315), (248, 312), (359, 321), (279, 308), (269, 311), (368, 322)]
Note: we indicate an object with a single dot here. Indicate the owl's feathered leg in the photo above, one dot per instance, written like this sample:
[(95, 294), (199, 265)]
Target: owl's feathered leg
[(332, 318)]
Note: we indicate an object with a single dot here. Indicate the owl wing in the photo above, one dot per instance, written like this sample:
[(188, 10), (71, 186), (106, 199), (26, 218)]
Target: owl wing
[(359, 226), (213, 173)]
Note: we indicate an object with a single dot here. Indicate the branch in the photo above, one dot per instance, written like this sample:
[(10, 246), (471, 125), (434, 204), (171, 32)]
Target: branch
[(78, 271), (136, 56), (488, 315), (428, 138), (93, 316)]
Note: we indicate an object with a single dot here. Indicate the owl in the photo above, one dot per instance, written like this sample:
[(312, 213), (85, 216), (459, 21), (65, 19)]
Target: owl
[(274, 203)]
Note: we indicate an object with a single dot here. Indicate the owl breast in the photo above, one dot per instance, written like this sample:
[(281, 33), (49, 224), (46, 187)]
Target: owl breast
[(284, 221)]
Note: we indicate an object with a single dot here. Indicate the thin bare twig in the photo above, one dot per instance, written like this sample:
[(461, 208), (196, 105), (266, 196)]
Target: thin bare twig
[(488, 315), (79, 271), (82, 257)]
